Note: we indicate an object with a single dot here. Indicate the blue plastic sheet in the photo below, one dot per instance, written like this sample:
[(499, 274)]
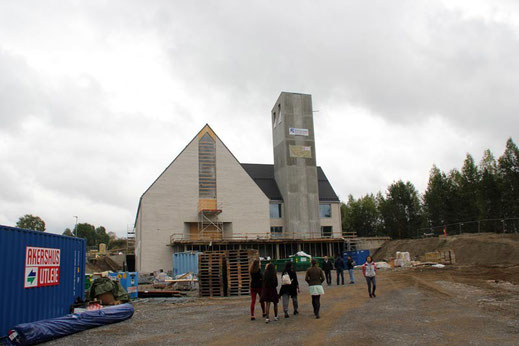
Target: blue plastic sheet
[(45, 330)]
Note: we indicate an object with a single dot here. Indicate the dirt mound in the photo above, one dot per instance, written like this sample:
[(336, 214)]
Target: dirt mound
[(101, 264), (484, 248)]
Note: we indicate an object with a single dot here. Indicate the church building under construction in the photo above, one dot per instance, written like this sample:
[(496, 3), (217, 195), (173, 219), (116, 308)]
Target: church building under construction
[(207, 200)]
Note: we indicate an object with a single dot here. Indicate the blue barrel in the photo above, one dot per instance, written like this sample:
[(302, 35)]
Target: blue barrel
[(42, 274), (185, 262), (359, 256)]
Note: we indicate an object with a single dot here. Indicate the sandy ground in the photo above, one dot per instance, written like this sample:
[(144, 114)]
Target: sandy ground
[(456, 306)]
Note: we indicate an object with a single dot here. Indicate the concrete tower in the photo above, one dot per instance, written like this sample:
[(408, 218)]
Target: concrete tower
[(295, 168)]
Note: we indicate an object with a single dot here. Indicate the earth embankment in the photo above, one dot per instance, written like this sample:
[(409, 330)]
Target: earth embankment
[(475, 249)]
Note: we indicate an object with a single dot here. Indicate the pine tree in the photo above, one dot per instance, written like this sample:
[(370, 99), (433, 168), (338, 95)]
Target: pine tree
[(508, 170)]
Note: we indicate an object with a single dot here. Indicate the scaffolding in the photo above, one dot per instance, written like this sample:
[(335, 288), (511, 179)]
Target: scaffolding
[(130, 241), (209, 227)]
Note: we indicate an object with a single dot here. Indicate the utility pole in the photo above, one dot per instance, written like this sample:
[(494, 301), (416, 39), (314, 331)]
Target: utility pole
[(75, 227)]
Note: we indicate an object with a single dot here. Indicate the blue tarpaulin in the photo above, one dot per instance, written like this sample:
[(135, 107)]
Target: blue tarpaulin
[(45, 330)]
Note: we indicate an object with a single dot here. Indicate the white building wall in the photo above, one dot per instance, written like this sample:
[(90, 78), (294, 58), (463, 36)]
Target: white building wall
[(172, 201), (168, 203), (242, 201), (335, 220)]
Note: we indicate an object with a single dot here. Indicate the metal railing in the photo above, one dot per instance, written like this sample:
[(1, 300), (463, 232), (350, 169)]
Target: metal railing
[(265, 236)]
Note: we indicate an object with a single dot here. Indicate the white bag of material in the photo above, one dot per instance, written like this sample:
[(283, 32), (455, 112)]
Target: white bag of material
[(439, 265), (302, 253), (403, 259), (405, 256)]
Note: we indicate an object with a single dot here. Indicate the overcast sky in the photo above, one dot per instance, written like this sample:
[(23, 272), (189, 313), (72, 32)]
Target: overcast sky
[(98, 97)]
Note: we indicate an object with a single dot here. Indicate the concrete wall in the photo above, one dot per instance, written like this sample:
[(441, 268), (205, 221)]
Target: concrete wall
[(296, 177)]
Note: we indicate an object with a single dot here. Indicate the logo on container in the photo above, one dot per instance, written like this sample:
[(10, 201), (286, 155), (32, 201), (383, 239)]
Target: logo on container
[(41, 266)]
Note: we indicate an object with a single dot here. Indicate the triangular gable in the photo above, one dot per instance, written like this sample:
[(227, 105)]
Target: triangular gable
[(206, 129)]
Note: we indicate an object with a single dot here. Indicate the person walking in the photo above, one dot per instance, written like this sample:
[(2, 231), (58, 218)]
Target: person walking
[(339, 268), (256, 284), (328, 267), (315, 277), (349, 266), (369, 270), (269, 292), (289, 288)]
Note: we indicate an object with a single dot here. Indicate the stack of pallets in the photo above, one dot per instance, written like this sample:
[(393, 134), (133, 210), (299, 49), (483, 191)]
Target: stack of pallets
[(210, 278), (238, 278)]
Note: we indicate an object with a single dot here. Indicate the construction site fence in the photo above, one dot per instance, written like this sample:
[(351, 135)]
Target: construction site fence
[(505, 225)]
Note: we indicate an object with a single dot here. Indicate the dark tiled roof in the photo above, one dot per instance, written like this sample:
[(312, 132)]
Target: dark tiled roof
[(263, 175)]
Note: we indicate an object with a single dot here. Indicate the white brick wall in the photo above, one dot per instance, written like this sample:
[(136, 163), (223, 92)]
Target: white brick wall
[(173, 200)]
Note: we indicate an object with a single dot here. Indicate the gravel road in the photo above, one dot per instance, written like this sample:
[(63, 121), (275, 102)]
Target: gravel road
[(412, 307)]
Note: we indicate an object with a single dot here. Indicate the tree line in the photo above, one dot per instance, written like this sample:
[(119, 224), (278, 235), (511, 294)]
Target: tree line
[(96, 235), (93, 235), (481, 197)]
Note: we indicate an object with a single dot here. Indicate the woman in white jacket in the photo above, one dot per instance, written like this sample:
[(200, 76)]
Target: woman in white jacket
[(369, 270)]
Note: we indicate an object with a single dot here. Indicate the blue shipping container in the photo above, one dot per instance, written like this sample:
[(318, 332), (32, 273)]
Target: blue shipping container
[(185, 262), (359, 257), (41, 274), (129, 281)]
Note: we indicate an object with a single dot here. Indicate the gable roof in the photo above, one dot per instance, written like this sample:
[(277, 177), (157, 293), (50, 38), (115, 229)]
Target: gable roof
[(203, 131), (263, 176)]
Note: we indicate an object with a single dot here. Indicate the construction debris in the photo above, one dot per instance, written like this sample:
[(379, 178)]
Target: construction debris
[(183, 282)]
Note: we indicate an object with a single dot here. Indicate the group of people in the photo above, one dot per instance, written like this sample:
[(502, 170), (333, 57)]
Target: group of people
[(339, 266), (265, 285)]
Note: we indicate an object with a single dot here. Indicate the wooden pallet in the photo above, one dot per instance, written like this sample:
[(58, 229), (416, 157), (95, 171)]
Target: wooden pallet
[(238, 277), (210, 279), (225, 272)]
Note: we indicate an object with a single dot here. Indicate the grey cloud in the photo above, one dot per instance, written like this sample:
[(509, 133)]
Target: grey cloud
[(405, 62)]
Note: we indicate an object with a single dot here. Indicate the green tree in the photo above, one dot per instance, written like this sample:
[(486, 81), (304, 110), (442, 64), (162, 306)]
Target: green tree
[(117, 243), (435, 198), (102, 236), (68, 232), (469, 191), (88, 232), (94, 236), (401, 210), (508, 170), (29, 221), (489, 192), (361, 216)]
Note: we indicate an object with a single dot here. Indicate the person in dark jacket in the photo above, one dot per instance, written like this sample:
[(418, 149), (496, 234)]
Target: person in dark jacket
[(315, 277), (349, 267), (290, 290), (256, 283), (328, 267), (269, 292), (339, 268)]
